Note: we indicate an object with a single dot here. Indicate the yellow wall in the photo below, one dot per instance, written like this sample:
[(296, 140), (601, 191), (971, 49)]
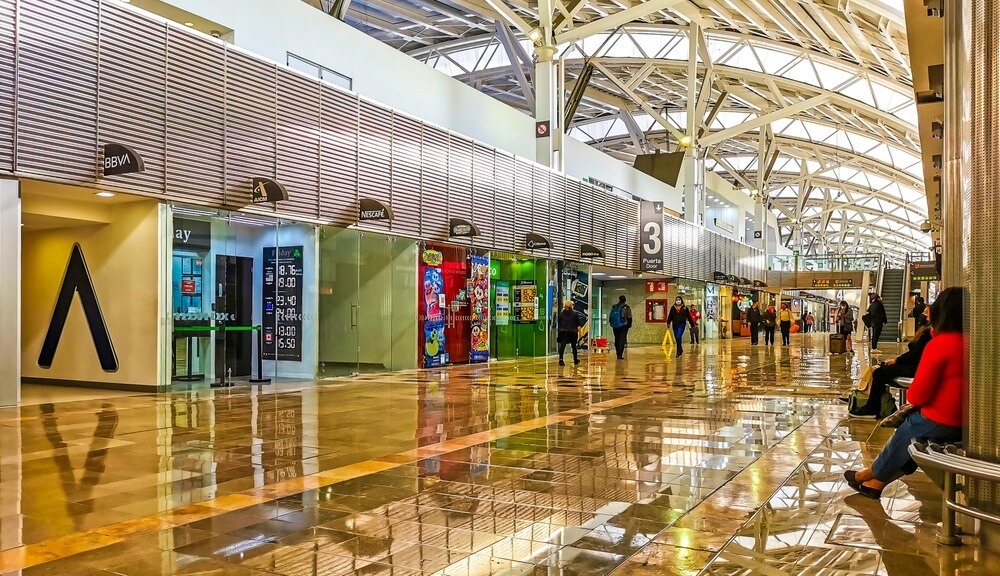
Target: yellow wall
[(122, 258)]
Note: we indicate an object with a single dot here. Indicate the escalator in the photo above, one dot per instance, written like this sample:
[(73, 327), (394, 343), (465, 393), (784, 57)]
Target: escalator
[(892, 297)]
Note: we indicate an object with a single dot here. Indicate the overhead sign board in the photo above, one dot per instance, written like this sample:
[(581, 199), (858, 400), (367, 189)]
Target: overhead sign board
[(267, 190), (372, 209), (459, 227), (590, 251), (925, 271), (720, 277), (650, 236), (534, 241), (121, 159), (833, 283)]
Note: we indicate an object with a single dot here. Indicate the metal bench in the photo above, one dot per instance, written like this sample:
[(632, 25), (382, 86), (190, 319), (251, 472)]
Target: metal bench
[(952, 461), (901, 385)]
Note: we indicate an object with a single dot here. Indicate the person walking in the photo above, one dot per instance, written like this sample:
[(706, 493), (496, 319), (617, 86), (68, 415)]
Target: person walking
[(770, 317), (845, 324), (877, 318), (936, 393), (695, 325), (754, 318), (918, 315), (785, 318), (620, 320), (568, 323), (678, 318), (810, 321)]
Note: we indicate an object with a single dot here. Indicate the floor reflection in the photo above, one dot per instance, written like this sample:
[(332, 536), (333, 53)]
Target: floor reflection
[(727, 460)]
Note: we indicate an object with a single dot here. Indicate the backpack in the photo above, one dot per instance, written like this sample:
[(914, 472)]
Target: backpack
[(615, 317)]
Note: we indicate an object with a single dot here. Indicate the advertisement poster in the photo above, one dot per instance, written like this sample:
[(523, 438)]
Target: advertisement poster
[(282, 310), (577, 286), (479, 309), (525, 302), (433, 296), (503, 304)]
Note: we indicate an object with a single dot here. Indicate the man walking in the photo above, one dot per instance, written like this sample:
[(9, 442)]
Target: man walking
[(620, 320), (877, 318), (754, 318)]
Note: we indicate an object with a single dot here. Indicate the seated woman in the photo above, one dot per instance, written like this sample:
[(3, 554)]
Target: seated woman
[(937, 393), (903, 366)]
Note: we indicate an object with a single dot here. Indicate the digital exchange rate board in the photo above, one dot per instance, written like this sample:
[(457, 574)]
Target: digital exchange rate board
[(282, 313)]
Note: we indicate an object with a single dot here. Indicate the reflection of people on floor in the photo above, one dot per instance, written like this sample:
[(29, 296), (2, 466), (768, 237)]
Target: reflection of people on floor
[(888, 535), (93, 467)]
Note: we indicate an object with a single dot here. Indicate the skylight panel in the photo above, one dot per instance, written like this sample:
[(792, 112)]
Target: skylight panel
[(802, 71), (744, 58), (859, 90), (830, 76), (773, 59)]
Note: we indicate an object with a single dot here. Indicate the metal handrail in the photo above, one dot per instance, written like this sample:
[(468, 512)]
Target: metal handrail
[(952, 460)]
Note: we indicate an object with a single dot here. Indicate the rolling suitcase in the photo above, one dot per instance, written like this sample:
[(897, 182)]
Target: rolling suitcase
[(838, 343)]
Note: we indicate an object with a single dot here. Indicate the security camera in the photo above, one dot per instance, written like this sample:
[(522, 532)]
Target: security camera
[(216, 34), (926, 227)]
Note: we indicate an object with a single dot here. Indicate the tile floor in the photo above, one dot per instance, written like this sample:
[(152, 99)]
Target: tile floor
[(728, 460)]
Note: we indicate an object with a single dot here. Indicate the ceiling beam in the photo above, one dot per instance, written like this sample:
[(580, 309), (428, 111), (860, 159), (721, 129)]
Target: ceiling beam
[(612, 21), (512, 17), (758, 122), (640, 101)]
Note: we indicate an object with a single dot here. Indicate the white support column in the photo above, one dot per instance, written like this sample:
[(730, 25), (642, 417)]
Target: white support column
[(10, 292), (548, 149)]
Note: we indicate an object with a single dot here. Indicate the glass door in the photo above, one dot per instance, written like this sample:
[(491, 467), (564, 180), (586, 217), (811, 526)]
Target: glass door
[(339, 302)]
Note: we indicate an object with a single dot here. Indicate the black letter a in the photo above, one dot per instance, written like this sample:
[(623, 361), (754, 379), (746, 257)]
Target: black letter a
[(77, 281)]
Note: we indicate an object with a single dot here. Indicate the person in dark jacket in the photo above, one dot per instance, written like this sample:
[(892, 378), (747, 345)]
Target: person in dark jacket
[(877, 319), (678, 318), (568, 323), (695, 325), (770, 318), (919, 313), (754, 318), (903, 366)]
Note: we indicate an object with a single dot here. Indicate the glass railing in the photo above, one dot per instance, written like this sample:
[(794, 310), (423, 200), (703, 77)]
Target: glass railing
[(854, 263)]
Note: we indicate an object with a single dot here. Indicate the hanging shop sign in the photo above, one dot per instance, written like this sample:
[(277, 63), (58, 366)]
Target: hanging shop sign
[(650, 236), (282, 311), (720, 277), (534, 241), (925, 271), (121, 159), (267, 190), (590, 251), (432, 257), (194, 235), (461, 228), (525, 302), (759, 284), (503, 303), (372, 209), (733, 279), (745, 281), (479, 308)]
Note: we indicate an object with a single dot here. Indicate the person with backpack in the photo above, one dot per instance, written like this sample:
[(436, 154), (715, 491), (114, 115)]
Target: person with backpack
[(620, 320), (678, 318)]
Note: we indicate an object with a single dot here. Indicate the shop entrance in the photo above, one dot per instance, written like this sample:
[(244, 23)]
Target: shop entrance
[(367, 302), (234, 296), (520, 323)]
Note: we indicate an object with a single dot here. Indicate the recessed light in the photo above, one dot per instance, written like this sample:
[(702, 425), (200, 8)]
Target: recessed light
[(104, 194), (617, 277), (189, 24)]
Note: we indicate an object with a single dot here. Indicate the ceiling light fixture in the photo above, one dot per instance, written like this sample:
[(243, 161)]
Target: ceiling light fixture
[(189, 24), (105, 194), (535, 35)]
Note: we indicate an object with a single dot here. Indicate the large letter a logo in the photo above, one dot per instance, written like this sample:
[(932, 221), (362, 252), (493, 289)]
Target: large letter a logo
[(77, 281)]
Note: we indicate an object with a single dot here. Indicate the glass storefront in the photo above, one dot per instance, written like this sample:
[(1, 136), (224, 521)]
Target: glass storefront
[(453, 305), (253, 297), (519, 325)]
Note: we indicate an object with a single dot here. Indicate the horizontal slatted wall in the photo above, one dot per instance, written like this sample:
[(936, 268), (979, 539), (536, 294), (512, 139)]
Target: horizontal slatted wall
[(504, 202), (57, 93), (629, 214), (407, 174), (574, 219), (541, 217), (195, 123), (298, 149), (434, 206), (251, 125), (375, 156), (7, 97), (559, 211), (606, 221), (484, 212), (459, 180), (523, 200), (338, 203), (133, 95)]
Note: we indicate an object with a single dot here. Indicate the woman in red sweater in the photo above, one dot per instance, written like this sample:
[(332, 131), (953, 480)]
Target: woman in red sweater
[(936, 390)]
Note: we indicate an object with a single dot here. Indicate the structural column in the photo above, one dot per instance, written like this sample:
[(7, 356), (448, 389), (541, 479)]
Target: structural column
[(982, 248), (548, 95), (10, 292), (955, 177)]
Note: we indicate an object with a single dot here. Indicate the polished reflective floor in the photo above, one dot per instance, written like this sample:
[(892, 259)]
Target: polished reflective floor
[(728, 460)]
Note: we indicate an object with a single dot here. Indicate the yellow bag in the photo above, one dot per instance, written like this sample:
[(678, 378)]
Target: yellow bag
[(865, 382)]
